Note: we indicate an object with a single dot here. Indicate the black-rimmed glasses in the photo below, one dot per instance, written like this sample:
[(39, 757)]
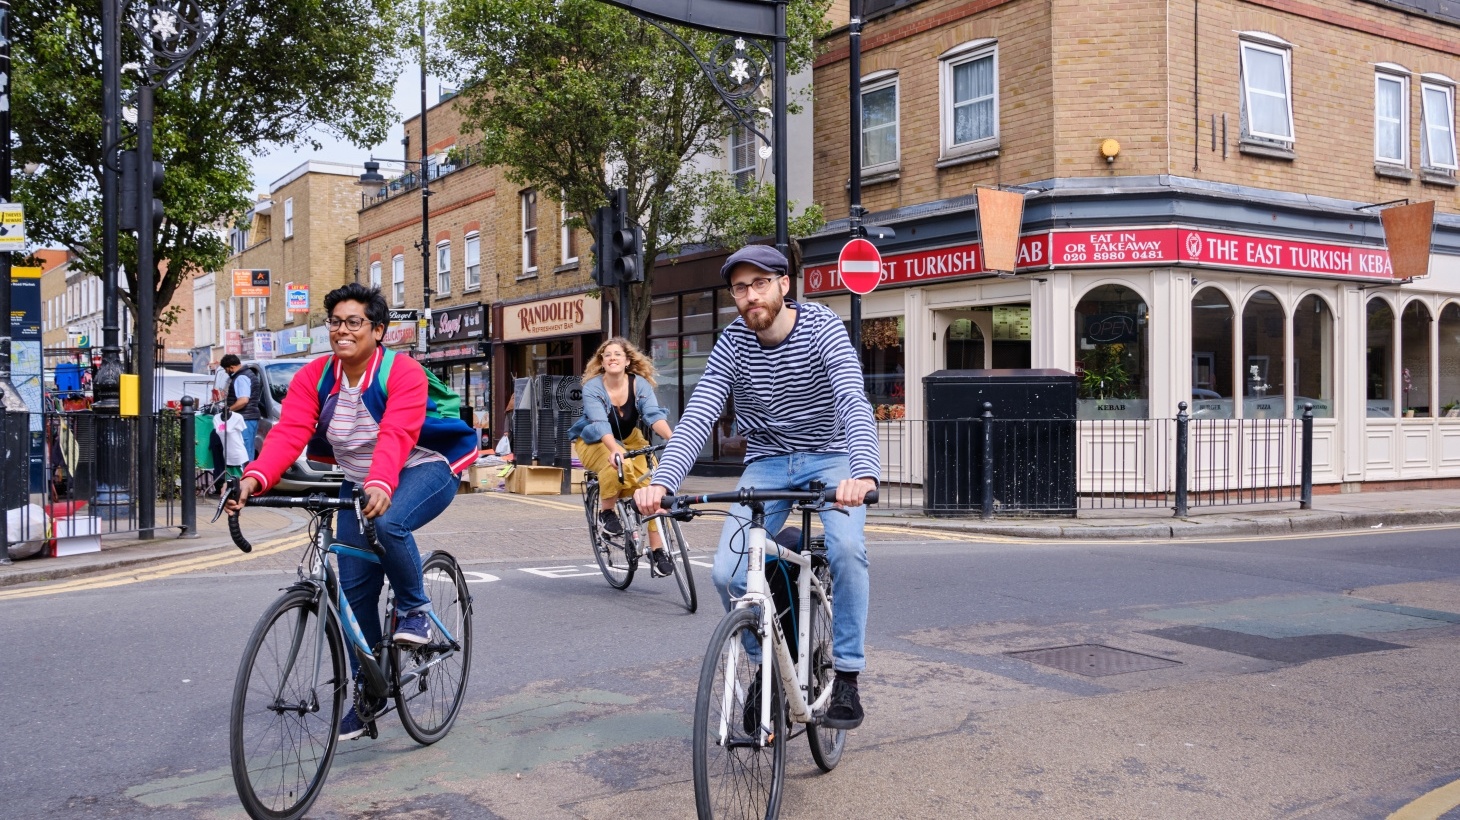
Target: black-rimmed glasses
[(350, 322), (759, 283)]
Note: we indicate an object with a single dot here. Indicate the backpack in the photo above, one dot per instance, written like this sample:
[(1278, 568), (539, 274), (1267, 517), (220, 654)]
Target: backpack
[(441, 401)]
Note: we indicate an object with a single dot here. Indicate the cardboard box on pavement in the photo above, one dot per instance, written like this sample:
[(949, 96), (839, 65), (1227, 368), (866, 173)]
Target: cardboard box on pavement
[(535, 480)]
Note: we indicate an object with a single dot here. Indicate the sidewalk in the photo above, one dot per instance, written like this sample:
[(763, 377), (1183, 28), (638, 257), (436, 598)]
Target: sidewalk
[(494, 527)]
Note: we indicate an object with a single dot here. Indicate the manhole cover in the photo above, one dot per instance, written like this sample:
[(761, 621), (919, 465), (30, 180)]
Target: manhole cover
[(1093, 660)]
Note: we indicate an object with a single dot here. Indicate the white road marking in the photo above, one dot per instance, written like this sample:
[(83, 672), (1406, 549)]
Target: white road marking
[(569, 571), (479, 577)]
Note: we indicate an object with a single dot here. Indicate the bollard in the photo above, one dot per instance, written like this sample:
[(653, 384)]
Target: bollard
[(1182, 419), (1306, 500), (987, 501), (187, 438)]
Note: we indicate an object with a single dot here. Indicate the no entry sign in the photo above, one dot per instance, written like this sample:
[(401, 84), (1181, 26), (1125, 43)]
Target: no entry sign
[(860, 266)]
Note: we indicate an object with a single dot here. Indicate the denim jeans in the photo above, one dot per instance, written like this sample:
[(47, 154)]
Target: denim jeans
[(846, 548), (424, 492), (250, 432)]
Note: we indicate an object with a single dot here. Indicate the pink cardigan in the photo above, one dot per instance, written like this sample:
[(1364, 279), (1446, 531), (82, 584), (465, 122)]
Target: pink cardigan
[(400, 426)]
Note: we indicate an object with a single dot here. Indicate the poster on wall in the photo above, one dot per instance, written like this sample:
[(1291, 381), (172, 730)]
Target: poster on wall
[(296, 298)]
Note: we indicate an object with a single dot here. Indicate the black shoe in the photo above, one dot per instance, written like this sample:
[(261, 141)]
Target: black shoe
[(845, 711), (608, 520), (662, 565), (751, 717)]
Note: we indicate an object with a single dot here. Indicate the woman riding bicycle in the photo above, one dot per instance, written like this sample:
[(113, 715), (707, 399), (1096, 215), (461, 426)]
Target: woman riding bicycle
[(365, 409), (618, 393)]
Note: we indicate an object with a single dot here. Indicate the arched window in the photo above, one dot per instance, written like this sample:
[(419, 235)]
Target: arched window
[(1313, 358), (1264, 364), (1450, 359), (1211, 355), (1414, 358), (1379, 360), (1111, 354)]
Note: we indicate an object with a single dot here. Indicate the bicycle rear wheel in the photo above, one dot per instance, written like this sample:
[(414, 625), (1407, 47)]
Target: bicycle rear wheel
[(609, 551), (430, 680), (826, 743), (679, 556), (287, 704), (735, 775)]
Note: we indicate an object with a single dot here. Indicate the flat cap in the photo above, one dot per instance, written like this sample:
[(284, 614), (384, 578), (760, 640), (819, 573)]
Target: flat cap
[(765, 257)]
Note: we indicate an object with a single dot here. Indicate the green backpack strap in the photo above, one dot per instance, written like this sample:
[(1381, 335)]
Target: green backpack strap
[(443, 403)]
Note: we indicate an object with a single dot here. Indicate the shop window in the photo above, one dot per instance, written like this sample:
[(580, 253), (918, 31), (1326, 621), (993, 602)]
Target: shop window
[(1450, 361), (725, 312), (699, 312), (963, 345), (970, 106), (1379, 360), (664, 316), (883, 366), (1391, 118), (665, 354), (1414, 361), (1313, 358), (1212, 393), (1264, 365), (1267, 111), (879, 124), (1111, 354)]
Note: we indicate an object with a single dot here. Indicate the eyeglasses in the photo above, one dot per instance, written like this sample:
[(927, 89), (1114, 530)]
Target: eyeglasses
[(760, 283), (351, 322)]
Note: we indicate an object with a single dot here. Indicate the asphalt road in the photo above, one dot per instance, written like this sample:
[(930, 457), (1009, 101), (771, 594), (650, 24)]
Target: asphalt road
[(1296, 678)]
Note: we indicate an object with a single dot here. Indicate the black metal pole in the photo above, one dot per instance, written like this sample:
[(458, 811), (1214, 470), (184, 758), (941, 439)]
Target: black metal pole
[(986, 485), (15, 481), (1307, 491), (113, 469), (854, 188), (146, 329), (1182, 420), (425, 325), (189, 452), (780, 167)]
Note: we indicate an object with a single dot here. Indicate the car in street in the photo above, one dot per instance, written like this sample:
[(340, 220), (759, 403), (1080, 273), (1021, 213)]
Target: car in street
[(303, 476)]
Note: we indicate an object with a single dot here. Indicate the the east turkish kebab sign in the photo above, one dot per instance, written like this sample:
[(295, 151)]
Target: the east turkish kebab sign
[(1140, 246)]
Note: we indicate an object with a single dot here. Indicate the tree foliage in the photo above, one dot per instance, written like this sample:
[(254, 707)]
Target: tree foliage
[(582, 97), (275, 72)]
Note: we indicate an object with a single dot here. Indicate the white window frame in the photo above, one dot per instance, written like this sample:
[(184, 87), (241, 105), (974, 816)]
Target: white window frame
[(398, 280), (375, 272), (743, 175), (1444, 85), (529, 232), (1399, 76), (472, 249), (443, 268), (949, 61), (223, 322), (566, 237), (1272, 45), (288, 217), (872, 84)]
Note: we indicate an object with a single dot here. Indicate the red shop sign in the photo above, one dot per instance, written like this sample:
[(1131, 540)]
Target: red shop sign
[(1266, 253), (922, 266)]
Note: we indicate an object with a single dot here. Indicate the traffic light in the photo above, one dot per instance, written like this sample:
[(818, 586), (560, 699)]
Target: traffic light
[(602, 265), (130, 218), (628, 254)]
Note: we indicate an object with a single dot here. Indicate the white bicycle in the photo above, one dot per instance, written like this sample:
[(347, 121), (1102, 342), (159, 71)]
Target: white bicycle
[(741, 709)]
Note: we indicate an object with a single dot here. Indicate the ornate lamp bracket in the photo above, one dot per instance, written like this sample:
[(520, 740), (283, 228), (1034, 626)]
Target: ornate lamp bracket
[(736, 68), (170, 33)]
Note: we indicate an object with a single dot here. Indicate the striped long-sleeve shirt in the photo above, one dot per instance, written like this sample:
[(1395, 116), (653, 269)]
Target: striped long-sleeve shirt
[(804, 395)]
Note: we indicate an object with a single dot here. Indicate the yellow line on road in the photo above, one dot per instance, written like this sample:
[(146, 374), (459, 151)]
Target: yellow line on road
[(156, 571), (1431, 806), (539, 501)]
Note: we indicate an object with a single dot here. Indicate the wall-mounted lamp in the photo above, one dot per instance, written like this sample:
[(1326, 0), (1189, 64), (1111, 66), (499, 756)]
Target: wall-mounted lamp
[(1109, 149)]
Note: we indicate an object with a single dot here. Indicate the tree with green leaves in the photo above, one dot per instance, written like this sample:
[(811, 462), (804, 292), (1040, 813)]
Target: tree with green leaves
[(274, 73), (582, 97)]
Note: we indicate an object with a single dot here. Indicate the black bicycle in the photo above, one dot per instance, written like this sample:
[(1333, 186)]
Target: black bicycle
[(618, 554)]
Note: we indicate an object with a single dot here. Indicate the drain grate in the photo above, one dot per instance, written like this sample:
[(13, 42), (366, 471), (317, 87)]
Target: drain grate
[(1093, 660)]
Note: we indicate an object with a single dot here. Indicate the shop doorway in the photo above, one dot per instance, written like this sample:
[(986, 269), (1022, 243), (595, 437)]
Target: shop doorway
[(983, 337)]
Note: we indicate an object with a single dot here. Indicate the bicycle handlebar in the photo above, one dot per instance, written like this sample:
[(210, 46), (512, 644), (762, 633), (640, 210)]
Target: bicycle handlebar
[(750, 495), (618, 460), (314, 502)]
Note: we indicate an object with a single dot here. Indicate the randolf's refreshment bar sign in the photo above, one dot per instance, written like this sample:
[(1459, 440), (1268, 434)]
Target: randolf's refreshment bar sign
[(1136, 246), (562, 316)]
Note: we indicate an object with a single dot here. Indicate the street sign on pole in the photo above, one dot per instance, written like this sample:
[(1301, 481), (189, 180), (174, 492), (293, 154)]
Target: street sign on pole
[(860, 266)]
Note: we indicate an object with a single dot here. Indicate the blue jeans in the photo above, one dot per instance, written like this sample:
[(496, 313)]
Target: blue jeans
[(424, 492), (250, 431), (846, 548)]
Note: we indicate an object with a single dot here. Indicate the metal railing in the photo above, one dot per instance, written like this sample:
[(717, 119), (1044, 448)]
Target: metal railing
[(463, 157), (986, 466), (82, 477)]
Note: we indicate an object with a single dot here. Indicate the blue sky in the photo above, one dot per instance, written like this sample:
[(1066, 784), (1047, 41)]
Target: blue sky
[(281, 161)]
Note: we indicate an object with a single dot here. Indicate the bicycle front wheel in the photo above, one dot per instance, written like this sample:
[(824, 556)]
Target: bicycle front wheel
[(826, 743), (679, 556), (737, 776), (614, 561), (430, 680), (287, 702)]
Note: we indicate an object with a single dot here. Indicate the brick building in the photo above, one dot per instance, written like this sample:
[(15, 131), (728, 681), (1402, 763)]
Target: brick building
[(1202, 181)]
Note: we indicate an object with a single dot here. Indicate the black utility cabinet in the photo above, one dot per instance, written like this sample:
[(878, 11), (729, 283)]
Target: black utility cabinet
[(1032, 435)]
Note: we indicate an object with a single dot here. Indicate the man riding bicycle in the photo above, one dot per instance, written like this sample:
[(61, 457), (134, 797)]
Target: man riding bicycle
[(802, 407)]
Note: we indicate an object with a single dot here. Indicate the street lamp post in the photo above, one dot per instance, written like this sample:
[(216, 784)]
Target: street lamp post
[(372, 178)]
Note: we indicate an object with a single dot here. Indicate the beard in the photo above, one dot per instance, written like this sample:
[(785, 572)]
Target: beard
[(762, 320)]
